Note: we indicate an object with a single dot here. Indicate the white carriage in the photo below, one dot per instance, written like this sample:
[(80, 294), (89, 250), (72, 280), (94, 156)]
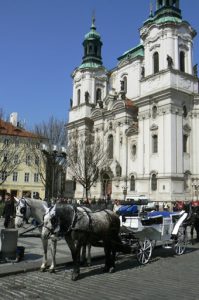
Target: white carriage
[(142, 233)]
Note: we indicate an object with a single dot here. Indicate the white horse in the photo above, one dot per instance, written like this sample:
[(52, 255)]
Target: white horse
[(35, 208)]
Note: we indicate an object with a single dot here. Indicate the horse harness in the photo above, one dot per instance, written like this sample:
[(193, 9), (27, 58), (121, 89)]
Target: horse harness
[(23, 209), (55, 221)]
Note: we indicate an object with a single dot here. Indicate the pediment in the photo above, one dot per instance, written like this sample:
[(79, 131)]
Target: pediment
[(96, 113), (154, 127), (118, 105)]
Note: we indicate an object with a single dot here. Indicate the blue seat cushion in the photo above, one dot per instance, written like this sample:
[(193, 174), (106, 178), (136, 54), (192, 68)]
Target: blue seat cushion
[(127, 210)]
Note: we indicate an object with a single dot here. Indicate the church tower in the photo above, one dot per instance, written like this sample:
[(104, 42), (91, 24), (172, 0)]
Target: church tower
[(169, 93), (90, 78)]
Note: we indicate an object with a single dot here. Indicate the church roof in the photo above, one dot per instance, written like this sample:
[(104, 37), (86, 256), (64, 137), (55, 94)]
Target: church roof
[(133, 52), (7, 128)]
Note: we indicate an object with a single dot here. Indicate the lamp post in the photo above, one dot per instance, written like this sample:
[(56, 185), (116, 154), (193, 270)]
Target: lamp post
[(124, 191), (55, 160)]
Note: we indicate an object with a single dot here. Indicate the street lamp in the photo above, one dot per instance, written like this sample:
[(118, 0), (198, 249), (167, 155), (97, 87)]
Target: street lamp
[(124, 191), (56, 158)]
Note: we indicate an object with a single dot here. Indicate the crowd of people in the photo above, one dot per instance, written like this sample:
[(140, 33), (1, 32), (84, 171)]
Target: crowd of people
[(9, 205)]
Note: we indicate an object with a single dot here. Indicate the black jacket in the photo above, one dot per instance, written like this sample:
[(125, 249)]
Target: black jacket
[(9, 209)]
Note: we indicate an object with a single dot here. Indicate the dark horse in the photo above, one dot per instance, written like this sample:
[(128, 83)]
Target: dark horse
[(192, 219), (84, 227)]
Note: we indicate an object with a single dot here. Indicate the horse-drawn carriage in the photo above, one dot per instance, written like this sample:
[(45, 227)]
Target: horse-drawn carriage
[(143, 230)]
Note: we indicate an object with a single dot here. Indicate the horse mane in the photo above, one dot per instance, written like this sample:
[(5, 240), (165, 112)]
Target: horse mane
[(37, 203)]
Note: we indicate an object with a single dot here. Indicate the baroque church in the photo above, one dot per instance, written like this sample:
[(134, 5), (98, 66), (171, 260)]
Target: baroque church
[(145, 111)]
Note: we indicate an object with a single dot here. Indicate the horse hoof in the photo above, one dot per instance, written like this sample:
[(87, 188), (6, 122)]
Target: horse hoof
[(112, 270), (51, 270), (74, 277), (42, 270), (106, 269)]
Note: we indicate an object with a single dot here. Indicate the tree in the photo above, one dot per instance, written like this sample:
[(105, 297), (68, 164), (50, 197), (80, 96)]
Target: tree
[(12, 154), (50, 159), (85, 159)]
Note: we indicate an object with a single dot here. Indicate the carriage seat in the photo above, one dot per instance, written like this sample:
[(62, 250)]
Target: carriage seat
[(156, 217), (128, 210)]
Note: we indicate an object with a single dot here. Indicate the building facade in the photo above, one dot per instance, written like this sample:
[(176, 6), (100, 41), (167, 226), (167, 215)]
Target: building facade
[(19, 164), (145, 110)]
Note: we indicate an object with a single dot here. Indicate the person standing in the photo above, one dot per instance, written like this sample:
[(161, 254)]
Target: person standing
[(8, 211)]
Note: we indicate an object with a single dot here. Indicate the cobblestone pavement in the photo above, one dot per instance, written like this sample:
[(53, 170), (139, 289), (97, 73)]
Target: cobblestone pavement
[(165, 277)]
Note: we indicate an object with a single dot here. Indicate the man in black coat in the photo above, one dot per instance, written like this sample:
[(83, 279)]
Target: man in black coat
[(8, 211)]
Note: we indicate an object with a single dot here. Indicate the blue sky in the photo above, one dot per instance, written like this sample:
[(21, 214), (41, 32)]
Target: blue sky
[(41, 44)]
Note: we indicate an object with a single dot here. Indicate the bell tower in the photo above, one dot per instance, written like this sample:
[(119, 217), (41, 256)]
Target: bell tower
[(92, 46)]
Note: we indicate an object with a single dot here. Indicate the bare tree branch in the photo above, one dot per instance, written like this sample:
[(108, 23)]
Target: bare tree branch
[(85, 161)]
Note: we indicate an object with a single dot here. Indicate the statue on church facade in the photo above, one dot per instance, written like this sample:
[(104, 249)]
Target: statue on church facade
[(87, 97), (170, 61), (118, 170)]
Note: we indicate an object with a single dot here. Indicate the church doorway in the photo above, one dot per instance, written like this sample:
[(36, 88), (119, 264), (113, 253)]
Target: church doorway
[(106, 186)]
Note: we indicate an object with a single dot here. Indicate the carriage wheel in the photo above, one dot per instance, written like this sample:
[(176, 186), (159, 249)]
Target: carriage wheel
[(144, 251), (180, 242)]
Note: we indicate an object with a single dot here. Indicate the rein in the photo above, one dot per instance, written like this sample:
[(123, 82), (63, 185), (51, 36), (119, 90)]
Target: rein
[(31, 229)]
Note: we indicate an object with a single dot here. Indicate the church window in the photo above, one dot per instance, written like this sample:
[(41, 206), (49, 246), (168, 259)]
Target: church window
[(78, 96), (167, 2), (154, 112), (98, 94), (134, 150), (155, 62), (75, 153), (132, 184), (155, 143), (160, 3), (185, 143), (184, 111), (182, 61), (154, 182), (90, 49), (110, 147)]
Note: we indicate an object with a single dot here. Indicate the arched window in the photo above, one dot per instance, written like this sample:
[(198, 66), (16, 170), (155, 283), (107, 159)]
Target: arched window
[(125, 84), (182, 61), (155, 62), (110, 147), (132, 185), (78, 96), (167, 2), (155, 143), (90, 49), (75, 153), (154, 112), (134, 150), (154, 182), (185, 143), (184, 111), (98, 95)]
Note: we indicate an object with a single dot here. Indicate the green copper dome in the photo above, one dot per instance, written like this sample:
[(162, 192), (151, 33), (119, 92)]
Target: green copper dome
[(92, 34), (166, 11), (92, 48)]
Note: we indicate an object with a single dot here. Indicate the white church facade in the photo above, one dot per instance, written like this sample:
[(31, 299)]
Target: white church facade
[(146, 110)]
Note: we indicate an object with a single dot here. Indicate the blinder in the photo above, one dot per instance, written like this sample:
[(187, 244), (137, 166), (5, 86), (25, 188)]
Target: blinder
[(23, 210)]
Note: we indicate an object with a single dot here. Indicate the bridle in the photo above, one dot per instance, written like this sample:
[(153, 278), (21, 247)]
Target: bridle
[(24, 209), (55, 222)]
